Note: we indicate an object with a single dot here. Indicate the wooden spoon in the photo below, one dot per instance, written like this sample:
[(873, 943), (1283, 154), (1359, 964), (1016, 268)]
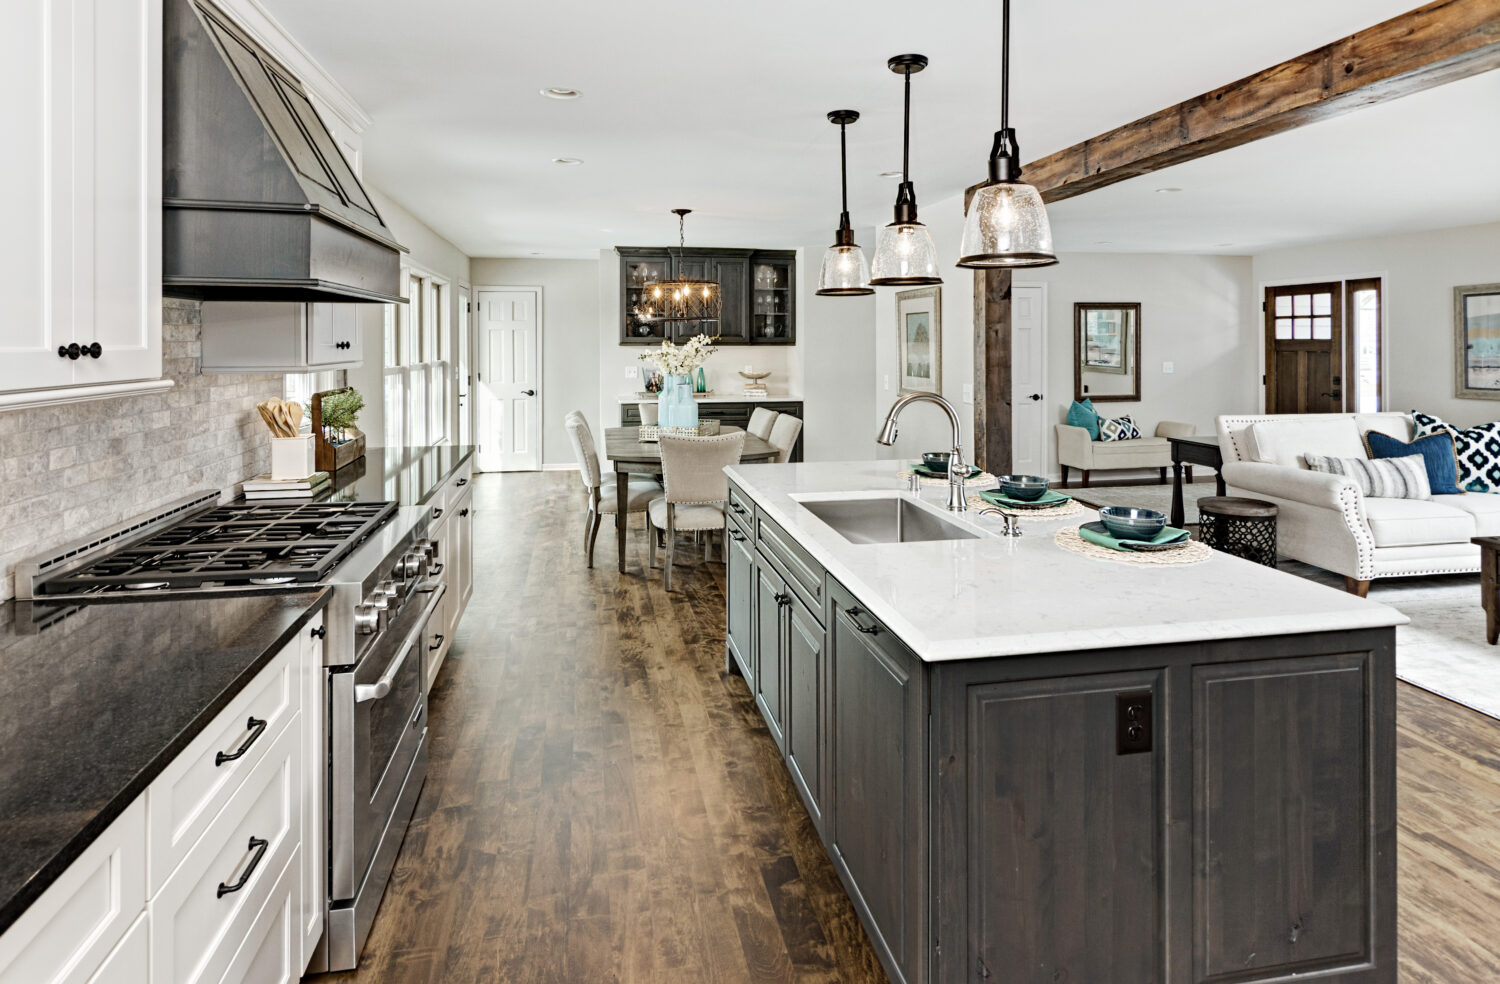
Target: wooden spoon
[(265, 414), (294, 411)]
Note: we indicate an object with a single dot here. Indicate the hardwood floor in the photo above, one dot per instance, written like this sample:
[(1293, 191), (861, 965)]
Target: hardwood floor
[(605, 805)]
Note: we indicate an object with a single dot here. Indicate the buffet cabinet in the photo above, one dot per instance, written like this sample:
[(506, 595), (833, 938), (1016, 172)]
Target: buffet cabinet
[(1200, 812), (215, 874), (758, 290), (730, 414)]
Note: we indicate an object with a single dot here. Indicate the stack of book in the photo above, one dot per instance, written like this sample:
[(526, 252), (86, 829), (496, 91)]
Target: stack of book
[(755, 388), (266, 487)]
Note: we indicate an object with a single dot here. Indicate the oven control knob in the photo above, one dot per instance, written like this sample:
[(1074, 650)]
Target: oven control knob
[(366, 619), (387, 589), (414, 564)]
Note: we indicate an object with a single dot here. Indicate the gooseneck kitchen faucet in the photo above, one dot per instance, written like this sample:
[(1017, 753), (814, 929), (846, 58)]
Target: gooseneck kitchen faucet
[(958, 471)]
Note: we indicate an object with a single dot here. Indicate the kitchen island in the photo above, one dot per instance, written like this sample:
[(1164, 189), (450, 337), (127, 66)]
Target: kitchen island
[(1028, 765)]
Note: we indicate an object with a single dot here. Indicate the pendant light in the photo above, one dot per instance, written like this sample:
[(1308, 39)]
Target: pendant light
[(1007, 222), (681, 298), (904, 252), (844, 272)]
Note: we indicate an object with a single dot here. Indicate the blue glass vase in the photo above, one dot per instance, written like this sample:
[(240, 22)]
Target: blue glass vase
[(676, 406)]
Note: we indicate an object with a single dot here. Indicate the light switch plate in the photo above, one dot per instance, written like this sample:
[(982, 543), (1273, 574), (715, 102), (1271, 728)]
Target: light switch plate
[(630, 372), (887, 380), (968, 392), (1168, 367)]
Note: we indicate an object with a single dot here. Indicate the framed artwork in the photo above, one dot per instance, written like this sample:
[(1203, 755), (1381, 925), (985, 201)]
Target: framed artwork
[(919, 323), (1476, 323)]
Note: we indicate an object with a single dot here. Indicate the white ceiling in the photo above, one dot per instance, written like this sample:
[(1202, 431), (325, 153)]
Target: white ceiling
[(1428, 161), (721, 107)]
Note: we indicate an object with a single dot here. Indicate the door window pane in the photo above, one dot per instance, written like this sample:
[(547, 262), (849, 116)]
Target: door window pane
[(1322, 304), (1302, 328), (1283, 326), (1322, 329), (1283, 306), (1302, 304)]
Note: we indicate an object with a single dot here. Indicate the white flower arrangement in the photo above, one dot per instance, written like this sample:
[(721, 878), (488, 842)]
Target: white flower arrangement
[(679, 360)]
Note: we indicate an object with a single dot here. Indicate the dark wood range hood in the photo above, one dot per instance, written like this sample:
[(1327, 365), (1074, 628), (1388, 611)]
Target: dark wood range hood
[(258, 201)]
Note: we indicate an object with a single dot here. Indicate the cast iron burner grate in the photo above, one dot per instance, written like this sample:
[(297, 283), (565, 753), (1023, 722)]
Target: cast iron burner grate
[(257, 544)]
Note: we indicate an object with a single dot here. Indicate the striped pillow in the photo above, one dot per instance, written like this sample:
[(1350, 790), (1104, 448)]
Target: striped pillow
[(1379, 478)]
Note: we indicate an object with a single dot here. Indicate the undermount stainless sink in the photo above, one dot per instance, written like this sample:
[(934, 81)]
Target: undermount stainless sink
[(884, 520)]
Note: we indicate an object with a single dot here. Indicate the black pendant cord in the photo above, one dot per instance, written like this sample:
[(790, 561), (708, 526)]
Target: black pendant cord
[(1005, 66), (1005, 153), (844, 172), (906, 133)]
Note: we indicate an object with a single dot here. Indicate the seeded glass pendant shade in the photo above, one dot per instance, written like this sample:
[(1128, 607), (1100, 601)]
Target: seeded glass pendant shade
[(681, 298), (905, 255), (844, 272), (1007, 222)]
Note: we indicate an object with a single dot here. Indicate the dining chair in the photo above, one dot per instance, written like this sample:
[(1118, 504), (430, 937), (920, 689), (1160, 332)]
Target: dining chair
[(696, 488), (761, 422), (784, 435), (600, 486), (648, 414)]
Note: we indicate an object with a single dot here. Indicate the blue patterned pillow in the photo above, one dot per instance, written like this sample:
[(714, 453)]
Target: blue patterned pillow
[(1438, 457), (1118, 429), (1477, 448), (1082, 414)]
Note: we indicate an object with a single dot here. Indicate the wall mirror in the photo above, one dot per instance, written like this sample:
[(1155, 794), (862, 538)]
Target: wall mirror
[(1106, 352)]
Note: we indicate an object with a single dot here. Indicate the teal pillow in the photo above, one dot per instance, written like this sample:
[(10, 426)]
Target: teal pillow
[(1084, 415), (1437, 455)]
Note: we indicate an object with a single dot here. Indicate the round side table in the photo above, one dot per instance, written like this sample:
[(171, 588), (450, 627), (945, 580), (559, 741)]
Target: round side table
[(1243, 527)]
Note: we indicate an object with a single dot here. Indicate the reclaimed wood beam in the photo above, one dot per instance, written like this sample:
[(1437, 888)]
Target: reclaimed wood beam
[(1432, 45), (992, 396)]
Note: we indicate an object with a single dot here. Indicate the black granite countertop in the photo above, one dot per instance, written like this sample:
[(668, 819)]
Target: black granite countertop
[(409, 476), (100, 697)]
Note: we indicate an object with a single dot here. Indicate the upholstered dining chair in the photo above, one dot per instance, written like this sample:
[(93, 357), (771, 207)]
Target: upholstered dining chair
[(784, 435), (692, 470), (600, 486), (761, 422), (648, 413)]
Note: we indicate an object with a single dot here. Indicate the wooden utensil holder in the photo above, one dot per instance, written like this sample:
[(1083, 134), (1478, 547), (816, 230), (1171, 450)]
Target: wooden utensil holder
[(330, 457)]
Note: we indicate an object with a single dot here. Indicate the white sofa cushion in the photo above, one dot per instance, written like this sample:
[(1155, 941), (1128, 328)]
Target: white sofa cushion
[(1140, 445), (1285, 439), (1483, 506), (1411, 522)]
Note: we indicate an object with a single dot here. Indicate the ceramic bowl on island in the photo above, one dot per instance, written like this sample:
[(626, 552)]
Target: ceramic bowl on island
[(1132, 522), (1024, 488), (937, 460)]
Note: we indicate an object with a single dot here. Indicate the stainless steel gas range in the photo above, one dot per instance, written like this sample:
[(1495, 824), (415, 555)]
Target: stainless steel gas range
[(385, 580)]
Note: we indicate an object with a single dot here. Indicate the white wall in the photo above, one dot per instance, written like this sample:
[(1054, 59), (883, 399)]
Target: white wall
[(570, 346), (429, 252), (1198, 312), (836, 339), (1420, 271)]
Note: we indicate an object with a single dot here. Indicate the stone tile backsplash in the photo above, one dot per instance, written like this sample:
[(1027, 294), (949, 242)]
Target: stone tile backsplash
[(70, 470)]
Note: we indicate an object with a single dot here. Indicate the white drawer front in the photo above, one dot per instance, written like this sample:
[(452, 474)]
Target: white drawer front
[(67, 933), (196, 925), (189, 793), (270, 952), (130, 963)]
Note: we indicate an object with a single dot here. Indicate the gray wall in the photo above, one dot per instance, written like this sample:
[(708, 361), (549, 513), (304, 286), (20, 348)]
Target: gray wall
[(570, 340), (834, 335), (1420, 271), (70, 470)]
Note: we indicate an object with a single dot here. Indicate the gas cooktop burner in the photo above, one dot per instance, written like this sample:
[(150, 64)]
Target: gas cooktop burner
[(258, 543)]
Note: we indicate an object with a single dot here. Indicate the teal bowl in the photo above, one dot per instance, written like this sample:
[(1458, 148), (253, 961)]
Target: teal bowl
[(1023, 488), (1132, 522)]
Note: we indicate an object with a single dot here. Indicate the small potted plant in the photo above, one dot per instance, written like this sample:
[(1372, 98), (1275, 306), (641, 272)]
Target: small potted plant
[(334, 413)]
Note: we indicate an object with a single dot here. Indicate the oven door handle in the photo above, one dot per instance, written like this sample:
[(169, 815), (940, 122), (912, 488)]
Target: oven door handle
[(382, 687)]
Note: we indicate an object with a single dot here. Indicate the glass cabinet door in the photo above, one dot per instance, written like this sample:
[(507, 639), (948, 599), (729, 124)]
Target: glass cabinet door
[(771, 302), (638, 273)]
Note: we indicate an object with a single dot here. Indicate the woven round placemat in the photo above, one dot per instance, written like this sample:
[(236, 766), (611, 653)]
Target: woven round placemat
[(983, 478), (1196, 551), (1061, 511)]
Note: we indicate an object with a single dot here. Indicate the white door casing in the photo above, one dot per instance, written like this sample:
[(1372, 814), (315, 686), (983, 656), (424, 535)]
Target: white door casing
[(463, 376), (1028, 385), (508, 381)]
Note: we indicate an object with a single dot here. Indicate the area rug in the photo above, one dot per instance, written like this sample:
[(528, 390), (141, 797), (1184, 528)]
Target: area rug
[(1158, 497), (1443, 649)]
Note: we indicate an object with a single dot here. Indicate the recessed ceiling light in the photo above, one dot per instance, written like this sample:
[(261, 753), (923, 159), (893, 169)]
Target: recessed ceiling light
[(568, 161), (1167, 191), (561, 92), (1223, 244), (890, 174), (1103, 242), (536, 252)]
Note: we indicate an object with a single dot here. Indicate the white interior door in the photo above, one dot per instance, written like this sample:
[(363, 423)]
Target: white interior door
[(509, 378), (1028, 355)]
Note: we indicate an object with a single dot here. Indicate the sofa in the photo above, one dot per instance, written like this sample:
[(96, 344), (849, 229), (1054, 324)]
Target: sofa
[(1325, 520), (1076, 449)]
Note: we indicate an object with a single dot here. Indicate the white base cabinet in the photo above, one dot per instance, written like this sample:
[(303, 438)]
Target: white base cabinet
[(453, 531), (283, 336), (83, 219), (233, 828)]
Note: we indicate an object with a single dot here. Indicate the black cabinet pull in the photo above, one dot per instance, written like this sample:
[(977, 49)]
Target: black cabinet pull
[(853, 614), (69, 351), (736, 535), (319, 633), (437, 643), (258, 845), (436, 511), (93, 351), (257, 728), (782, 600), (463, 512), (461, 483), (737, 508)]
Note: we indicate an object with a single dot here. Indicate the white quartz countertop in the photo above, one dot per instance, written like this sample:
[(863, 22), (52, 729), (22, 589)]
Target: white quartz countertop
[(1001, 596), (719, 397)]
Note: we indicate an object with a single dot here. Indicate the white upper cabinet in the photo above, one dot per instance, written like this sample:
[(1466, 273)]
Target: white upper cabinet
[(286, 336), (82, 214)]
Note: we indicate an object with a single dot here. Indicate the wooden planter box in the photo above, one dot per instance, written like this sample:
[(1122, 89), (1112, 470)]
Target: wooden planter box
[(331, 457)]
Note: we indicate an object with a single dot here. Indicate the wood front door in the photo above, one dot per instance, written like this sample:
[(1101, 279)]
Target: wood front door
[(1304, 348)]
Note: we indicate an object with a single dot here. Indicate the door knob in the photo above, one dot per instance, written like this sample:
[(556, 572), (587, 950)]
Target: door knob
[(529, 392), (1036, 396)]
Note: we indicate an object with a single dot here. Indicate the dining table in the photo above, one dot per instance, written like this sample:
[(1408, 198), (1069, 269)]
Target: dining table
[(632, 456)]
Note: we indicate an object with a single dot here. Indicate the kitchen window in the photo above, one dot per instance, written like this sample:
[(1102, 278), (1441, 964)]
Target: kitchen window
[(418, 373)]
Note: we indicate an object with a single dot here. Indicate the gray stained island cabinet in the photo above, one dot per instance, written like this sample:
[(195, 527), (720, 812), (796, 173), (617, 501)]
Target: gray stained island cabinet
[(1191, 813), (757, 300)]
